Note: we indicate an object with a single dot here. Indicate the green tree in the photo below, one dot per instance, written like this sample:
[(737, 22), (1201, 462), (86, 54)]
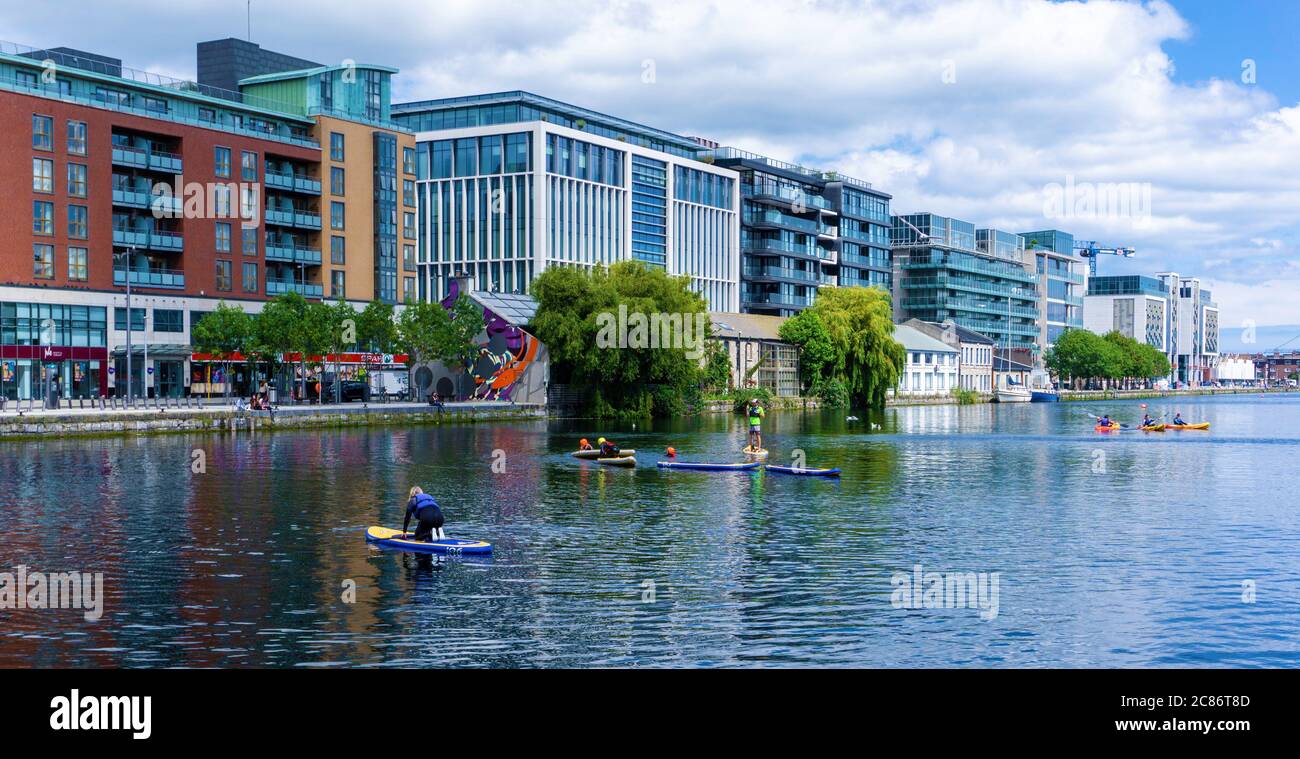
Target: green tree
[(599, 327), (420, 330), (223, 333), (339, 334), (863, 356), (376, 328), (821, 362)]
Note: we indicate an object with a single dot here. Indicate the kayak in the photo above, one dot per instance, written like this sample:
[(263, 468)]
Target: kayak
[(389, 538), (761, 453), (621, 461), (708, 467), (804, 472), (1197, 426), (1111, 428), (595, 453), (1153, 428)]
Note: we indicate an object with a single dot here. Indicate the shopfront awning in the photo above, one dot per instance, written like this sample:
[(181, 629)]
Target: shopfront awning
[(161, 351)]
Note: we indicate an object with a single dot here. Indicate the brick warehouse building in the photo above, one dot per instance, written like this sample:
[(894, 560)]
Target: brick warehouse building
[(299, 182)]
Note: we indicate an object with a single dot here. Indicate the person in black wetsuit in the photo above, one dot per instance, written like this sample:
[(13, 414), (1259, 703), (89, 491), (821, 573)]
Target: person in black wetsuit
[(428, 516), (607, 449)]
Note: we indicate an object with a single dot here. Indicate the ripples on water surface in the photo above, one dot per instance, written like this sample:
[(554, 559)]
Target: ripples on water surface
[(1141, 565)]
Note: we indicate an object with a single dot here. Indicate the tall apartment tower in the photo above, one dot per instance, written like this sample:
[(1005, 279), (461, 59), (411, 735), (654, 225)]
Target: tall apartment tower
[(803, 229), (194, 194)]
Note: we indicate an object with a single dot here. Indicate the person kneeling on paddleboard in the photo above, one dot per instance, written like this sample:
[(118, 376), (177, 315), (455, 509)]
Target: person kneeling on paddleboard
[(756, 414), (607, 449), (427, 515)]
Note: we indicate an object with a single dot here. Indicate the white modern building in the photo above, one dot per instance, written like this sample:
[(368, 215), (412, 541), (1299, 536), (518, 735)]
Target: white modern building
[(930, 368), (1194, 333), (1135, 306), (1235, 370), (510, 184)]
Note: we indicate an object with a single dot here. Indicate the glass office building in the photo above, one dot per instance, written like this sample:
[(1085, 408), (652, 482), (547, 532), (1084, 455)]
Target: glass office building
[(509, 184), (803, 229), (946, 269), (1062, 278)]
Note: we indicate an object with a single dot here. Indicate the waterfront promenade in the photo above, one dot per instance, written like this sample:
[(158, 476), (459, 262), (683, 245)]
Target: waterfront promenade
[(222, 416)]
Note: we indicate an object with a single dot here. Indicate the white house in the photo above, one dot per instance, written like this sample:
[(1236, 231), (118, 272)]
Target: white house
[(931, 366)]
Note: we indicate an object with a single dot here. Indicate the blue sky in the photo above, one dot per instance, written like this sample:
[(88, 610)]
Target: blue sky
[(980, 109)]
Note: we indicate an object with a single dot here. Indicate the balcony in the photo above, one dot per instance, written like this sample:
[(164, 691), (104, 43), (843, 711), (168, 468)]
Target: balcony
[(281, 286), (130, 238), (306, 220), (782, 272), (167, 162), (166, 241), (777, 299), (132, 157), (162, 278), (775, 247), (785, 196), (778, 219), (132, 198), (291, 182), (292, 254), (147, 239), (279, 218)]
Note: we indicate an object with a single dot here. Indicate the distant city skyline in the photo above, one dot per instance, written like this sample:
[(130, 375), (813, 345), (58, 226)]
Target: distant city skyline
[(974, 109)]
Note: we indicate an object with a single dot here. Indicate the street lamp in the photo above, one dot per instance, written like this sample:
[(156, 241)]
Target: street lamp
[(128, 254)]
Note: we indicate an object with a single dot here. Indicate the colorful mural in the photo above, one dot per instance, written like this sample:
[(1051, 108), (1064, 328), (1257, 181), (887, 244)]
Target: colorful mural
[(506, 356)]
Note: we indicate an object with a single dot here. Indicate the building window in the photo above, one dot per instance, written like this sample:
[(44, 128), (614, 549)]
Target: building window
[(337, 178), (223, 276), (408, 257), (248, 240), (77, 137), (408, 289), (336, 215), (43, 261), (207, 115), (77, 222), (77, 180), (26, 79), (338, 250), (408, 225), (338, 284), (168, 320), (249, 284), (137, 319), (336, 146), (408, 192), (408, 160), (221, 160), (42, 133), (42, 218), (248, 166), (42, 175), (248, 204), (223, 237), (155, 105), (221, 201), (77, 264)]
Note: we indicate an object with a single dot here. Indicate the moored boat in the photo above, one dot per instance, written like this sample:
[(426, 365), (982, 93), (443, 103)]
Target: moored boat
[(1014, 395)]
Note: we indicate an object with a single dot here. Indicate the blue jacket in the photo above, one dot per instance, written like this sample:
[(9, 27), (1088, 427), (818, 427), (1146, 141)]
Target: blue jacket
[(419, 502)]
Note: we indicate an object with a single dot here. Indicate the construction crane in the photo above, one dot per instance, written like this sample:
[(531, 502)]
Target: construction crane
[(1089, 250)]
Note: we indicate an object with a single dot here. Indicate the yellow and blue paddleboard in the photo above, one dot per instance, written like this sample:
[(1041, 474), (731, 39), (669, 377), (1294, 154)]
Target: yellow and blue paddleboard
[(405, 541)]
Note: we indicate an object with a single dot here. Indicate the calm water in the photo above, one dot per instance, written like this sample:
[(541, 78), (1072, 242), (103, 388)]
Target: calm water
[(1141, 564)]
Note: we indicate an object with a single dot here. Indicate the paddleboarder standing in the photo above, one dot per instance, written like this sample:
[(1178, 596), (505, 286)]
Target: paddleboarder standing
[(756, 414)]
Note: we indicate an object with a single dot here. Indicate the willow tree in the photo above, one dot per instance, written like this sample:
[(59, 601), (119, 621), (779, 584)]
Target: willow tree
[(862, 352)]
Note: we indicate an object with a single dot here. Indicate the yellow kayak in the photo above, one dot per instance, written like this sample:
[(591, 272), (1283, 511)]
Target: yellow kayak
[(1153, 428), (1197, 426)]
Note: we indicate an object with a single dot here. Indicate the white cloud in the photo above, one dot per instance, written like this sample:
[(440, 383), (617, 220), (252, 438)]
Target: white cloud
[(1042, 91)]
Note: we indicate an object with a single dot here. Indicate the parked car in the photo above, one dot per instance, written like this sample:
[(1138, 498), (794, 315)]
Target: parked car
[(352, 390)]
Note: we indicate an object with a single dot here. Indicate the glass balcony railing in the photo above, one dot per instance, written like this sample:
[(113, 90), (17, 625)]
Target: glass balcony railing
[(168, 162), (138, 238), (282, 218), (777, 299), (282, 286), (786, 195), (991, 308), (780, 246), (167, 278), (776, 218), (1011, 272), (307, 220), (971, 285), (287, 180), (783, 272), (292, 254), (130, 156)]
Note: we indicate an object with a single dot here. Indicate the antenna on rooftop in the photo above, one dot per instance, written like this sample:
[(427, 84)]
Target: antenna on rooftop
[(250, 20)]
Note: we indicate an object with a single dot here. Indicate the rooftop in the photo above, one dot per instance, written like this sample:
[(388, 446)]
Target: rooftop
[(914, 339), (304, 73), (568, 110), (515, 308)]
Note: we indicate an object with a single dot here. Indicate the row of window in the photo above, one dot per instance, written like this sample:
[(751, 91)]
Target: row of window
[(43, 262), (43, 135), (51, 324), (43, 177), (43, 220), (164, 319)]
